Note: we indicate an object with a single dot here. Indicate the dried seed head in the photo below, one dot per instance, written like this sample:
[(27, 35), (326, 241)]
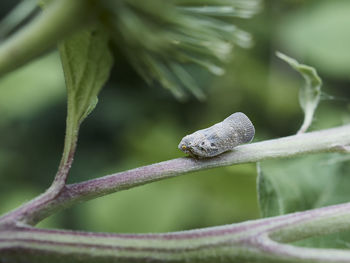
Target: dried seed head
[(221, 137)]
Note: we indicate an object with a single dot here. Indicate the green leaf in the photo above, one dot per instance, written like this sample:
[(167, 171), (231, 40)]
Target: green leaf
[(304, 183), (86, 61), (309, 95)]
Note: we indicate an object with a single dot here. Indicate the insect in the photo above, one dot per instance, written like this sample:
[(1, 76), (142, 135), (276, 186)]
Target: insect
[(221, 137)]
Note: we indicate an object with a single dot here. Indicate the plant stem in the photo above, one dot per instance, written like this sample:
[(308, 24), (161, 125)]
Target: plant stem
[(70, 144), (314, 142), (58, 20), (244, 242), (33, 209)]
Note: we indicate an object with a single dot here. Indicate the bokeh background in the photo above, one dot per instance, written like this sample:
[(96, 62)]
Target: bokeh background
[(135, 124)]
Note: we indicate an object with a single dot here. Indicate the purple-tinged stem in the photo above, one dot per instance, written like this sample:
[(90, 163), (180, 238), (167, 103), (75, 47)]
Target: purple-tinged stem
[(32, 210), (313, 142), (251, 241)]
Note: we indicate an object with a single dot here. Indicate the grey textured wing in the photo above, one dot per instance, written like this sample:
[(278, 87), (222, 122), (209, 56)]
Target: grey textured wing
[(221, 137)]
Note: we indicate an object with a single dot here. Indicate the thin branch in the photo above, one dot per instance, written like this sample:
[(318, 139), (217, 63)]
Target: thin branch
[(33, 208), (313, 142)]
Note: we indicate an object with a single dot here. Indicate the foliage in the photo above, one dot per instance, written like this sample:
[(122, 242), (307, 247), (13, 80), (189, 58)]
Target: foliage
[(167, 47), (299, 184), (309, 95), (86, 62)]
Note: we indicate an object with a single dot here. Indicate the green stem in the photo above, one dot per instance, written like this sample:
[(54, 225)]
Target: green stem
[(32, 211), (244, 242), (70, 143), (58, 20)]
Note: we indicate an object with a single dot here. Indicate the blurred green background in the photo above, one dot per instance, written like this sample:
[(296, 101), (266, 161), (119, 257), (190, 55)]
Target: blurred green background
[(135, 124)]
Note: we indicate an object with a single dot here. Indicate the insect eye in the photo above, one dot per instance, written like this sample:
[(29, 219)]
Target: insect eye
[(202, 143), (212, 145)]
